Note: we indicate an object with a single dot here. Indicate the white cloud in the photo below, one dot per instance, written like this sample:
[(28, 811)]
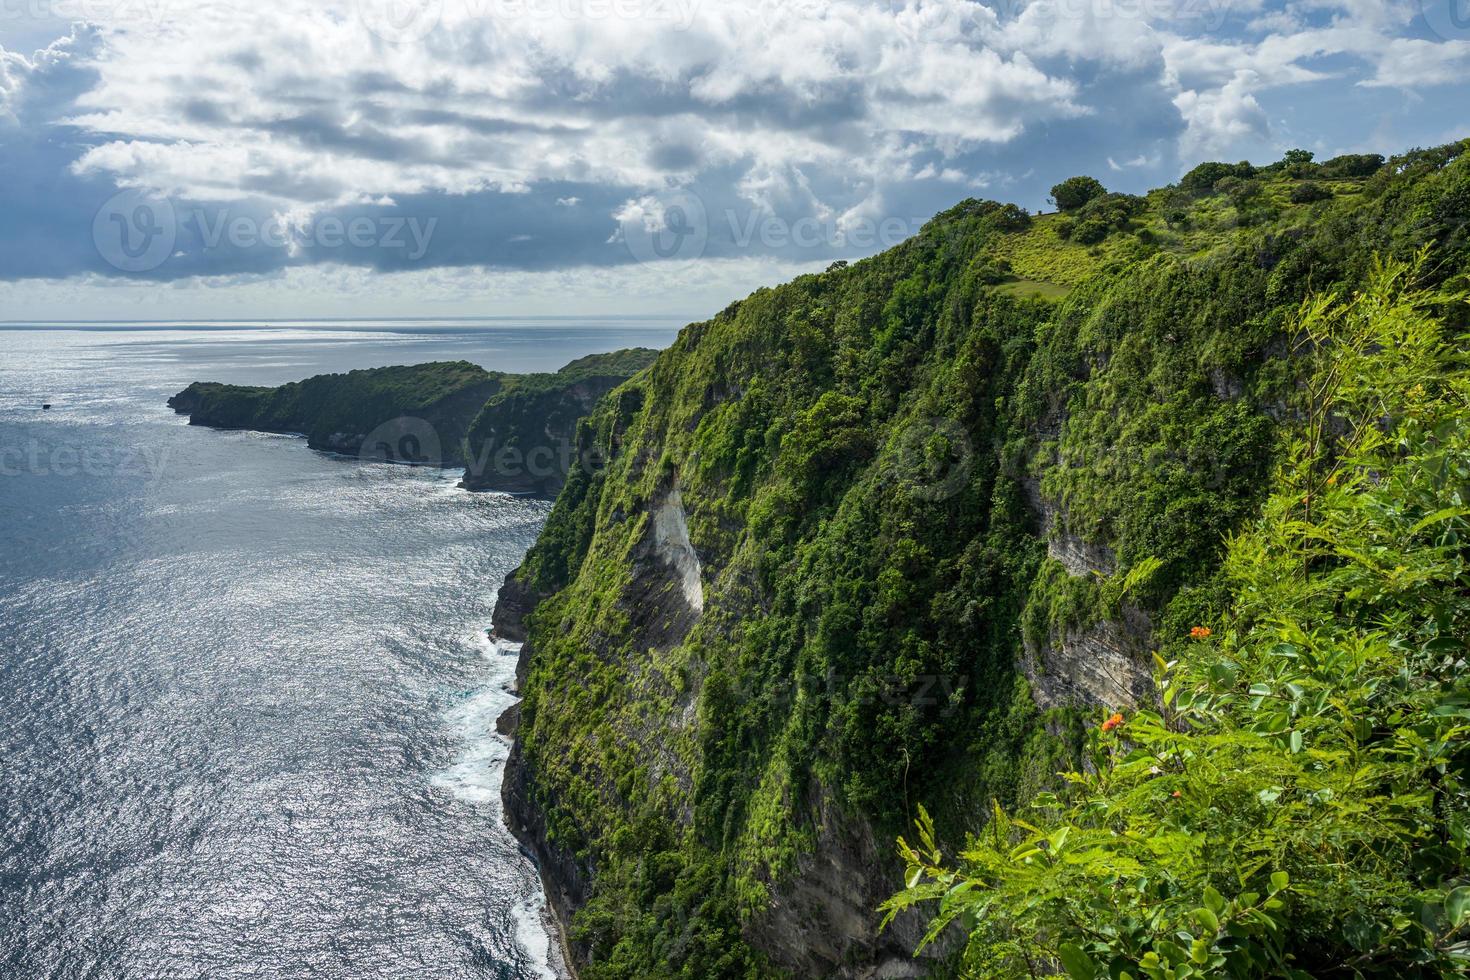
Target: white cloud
[(548, 123), (1220, 118), (1410, 63)]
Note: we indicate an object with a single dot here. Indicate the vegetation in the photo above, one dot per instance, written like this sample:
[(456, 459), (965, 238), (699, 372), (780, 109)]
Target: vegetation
[(1074, 192), (1295, 804), (868, 460), (510, 431), (523, 438), (337, 412)]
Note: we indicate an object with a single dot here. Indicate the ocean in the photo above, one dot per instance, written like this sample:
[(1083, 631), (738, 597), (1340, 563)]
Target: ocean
[(247, 704)]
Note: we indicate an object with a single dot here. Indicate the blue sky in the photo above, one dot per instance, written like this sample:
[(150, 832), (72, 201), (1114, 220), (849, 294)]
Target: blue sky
[(165, 159)]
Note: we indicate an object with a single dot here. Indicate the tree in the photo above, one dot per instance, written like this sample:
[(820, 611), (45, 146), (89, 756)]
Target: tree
[(1074, 192)]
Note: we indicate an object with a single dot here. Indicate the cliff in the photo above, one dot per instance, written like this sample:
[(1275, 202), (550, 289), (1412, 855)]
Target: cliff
[(874, 537), (524, 438), (417, 414), (512, 432)]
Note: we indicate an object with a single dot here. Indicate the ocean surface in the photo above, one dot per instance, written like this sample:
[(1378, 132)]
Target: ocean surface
[(247, 705)]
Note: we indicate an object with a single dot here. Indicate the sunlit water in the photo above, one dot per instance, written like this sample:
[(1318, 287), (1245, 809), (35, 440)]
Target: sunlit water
[(246, 706)]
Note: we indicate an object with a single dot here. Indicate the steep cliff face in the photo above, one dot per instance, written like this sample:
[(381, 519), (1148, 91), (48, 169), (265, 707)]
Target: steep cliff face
[(876, 537), (524, 438)]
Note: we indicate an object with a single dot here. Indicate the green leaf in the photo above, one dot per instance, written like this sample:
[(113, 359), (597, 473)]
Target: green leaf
[(1295, 741), (1208, 920), (1439, 515), (1279, 881), (1077, 963), (1457, 906)]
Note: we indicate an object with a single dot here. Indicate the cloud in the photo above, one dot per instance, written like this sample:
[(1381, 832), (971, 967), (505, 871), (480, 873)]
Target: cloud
[(532, 135), (1222, 118)]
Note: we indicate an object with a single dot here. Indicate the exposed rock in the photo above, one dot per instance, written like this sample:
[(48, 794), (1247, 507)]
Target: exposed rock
[(512, 604), (1103, 664), (566, 881), (671, 543), (823, 919), (509, 720)]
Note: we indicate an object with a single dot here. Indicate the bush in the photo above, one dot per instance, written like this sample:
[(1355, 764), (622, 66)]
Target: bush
[(1309, 191), (1074, 192), (1352, 165), (1203, 178)]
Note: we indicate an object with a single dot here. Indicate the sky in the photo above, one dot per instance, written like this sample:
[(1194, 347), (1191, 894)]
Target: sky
[(257, 159)]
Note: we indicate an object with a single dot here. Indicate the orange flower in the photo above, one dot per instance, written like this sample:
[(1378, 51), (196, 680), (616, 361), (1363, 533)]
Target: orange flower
[(1200, 633), (1112, 722), (1176, 794)]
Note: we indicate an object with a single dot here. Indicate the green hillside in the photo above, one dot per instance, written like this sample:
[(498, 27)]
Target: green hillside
[(892, 535), (338, 412)]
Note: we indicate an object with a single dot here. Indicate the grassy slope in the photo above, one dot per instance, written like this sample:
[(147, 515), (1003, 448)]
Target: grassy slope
[(854, 450)]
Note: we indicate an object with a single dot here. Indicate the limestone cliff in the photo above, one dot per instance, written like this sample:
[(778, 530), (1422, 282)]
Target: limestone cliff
[(890, 535)]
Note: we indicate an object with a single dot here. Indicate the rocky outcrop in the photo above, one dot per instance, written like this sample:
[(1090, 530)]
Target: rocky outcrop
[(1104, 663), (524, 439), (820, 921), (417, 414), (671, 545), (513, 603), (566, 880)]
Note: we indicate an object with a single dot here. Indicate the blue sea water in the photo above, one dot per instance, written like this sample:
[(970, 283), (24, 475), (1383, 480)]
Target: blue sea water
[(246, 704)]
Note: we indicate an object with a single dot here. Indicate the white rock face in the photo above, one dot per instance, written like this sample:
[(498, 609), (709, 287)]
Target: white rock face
[(671, 542)]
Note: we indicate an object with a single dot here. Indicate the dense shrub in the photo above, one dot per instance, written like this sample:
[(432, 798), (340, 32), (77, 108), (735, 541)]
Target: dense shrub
[(1309, 191), (1352, 165), (1074, 192)]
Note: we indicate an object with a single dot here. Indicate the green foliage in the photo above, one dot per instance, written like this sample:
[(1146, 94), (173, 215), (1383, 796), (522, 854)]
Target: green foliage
[(445, 394), (1354, 165), (1074, 192), (861, 456), (1309, 191), (523, 438), (1295, 804), (1204, 178)]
